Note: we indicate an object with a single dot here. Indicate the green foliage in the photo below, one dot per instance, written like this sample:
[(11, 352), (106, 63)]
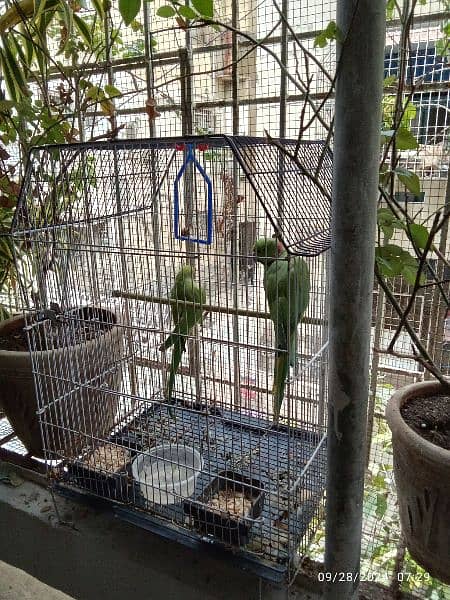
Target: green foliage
[(29, 119), (204, 8), (393, 261), (405, 140), (187, 12), (129, 9), (389, 105), (443, 45), (419, 234), (166, 11), (199, 9), (409, 179), (99, 6), (330, 33), (390, 9), (84, 29), (388, 222)]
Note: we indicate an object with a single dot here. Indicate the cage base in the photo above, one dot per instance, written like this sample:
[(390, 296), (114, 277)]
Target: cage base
[(265, 569), (277, 456)]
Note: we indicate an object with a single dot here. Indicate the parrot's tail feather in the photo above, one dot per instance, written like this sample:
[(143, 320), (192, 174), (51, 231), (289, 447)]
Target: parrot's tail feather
[(177, 354), (279, 383), (293, 352)]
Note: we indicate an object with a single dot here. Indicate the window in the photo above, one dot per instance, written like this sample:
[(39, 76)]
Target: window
[(432, 122), (203, 120), (422, 62)]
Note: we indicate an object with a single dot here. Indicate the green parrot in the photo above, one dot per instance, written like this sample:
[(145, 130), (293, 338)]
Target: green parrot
[(184, 318), (287, 285)]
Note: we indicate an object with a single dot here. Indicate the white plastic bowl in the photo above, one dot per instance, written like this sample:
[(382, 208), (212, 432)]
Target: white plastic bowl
[(167, 473)]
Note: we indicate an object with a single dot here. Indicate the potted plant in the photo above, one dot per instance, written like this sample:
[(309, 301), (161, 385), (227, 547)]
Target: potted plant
[(419, 413), (79, 346), (419, 418), (46, 95)]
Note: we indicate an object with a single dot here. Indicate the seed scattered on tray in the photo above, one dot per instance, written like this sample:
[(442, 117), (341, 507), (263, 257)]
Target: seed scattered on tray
[(234, 503), (108, 458)]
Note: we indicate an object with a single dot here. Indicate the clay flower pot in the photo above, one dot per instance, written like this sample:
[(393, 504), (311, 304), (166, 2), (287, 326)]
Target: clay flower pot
[(73, 414), (422, 476)]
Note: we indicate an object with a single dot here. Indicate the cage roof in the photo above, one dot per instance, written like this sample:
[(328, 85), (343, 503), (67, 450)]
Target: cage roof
[(291, 180)]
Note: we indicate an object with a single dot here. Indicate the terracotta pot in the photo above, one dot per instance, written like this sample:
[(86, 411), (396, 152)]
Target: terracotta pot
[(422, 476), (72, 414)]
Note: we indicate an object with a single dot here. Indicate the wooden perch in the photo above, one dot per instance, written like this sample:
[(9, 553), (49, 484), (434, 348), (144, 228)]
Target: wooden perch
[(241, 312)]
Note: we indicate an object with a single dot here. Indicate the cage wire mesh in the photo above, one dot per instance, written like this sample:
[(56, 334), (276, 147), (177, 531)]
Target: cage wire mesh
[(109, 228), (246, 97)]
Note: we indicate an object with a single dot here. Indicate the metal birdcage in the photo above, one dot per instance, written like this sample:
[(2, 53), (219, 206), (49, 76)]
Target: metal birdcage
[(107, 226)]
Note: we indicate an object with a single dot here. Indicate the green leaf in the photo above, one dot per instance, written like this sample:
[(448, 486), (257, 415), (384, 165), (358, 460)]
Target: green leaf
[(390, 7), (66, 15), (382, 505), (29, 47), (388, 268), (84, 29), (166, 11), (6, 249), (93, 92), (331, 32), (405, 140), (321, 40), (388, 231), (187, 12), (419, 234), (40, 6), (388, 222), (392, 259), (40, 54), (409, 179), (409, 113), (107, 107), (13, 74), (99, 8), (389, 81), (205, 8), (379, 482), (6, 105), (129, 9), (19, 52), (136, 26), (112, 91), (410, 274)]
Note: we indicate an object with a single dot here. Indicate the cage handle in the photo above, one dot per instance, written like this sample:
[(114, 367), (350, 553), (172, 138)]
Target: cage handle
[(190, 158)]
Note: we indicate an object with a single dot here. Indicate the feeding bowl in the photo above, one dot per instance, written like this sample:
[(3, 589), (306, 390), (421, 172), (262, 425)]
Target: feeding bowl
[(167, 474), (228, 525)]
